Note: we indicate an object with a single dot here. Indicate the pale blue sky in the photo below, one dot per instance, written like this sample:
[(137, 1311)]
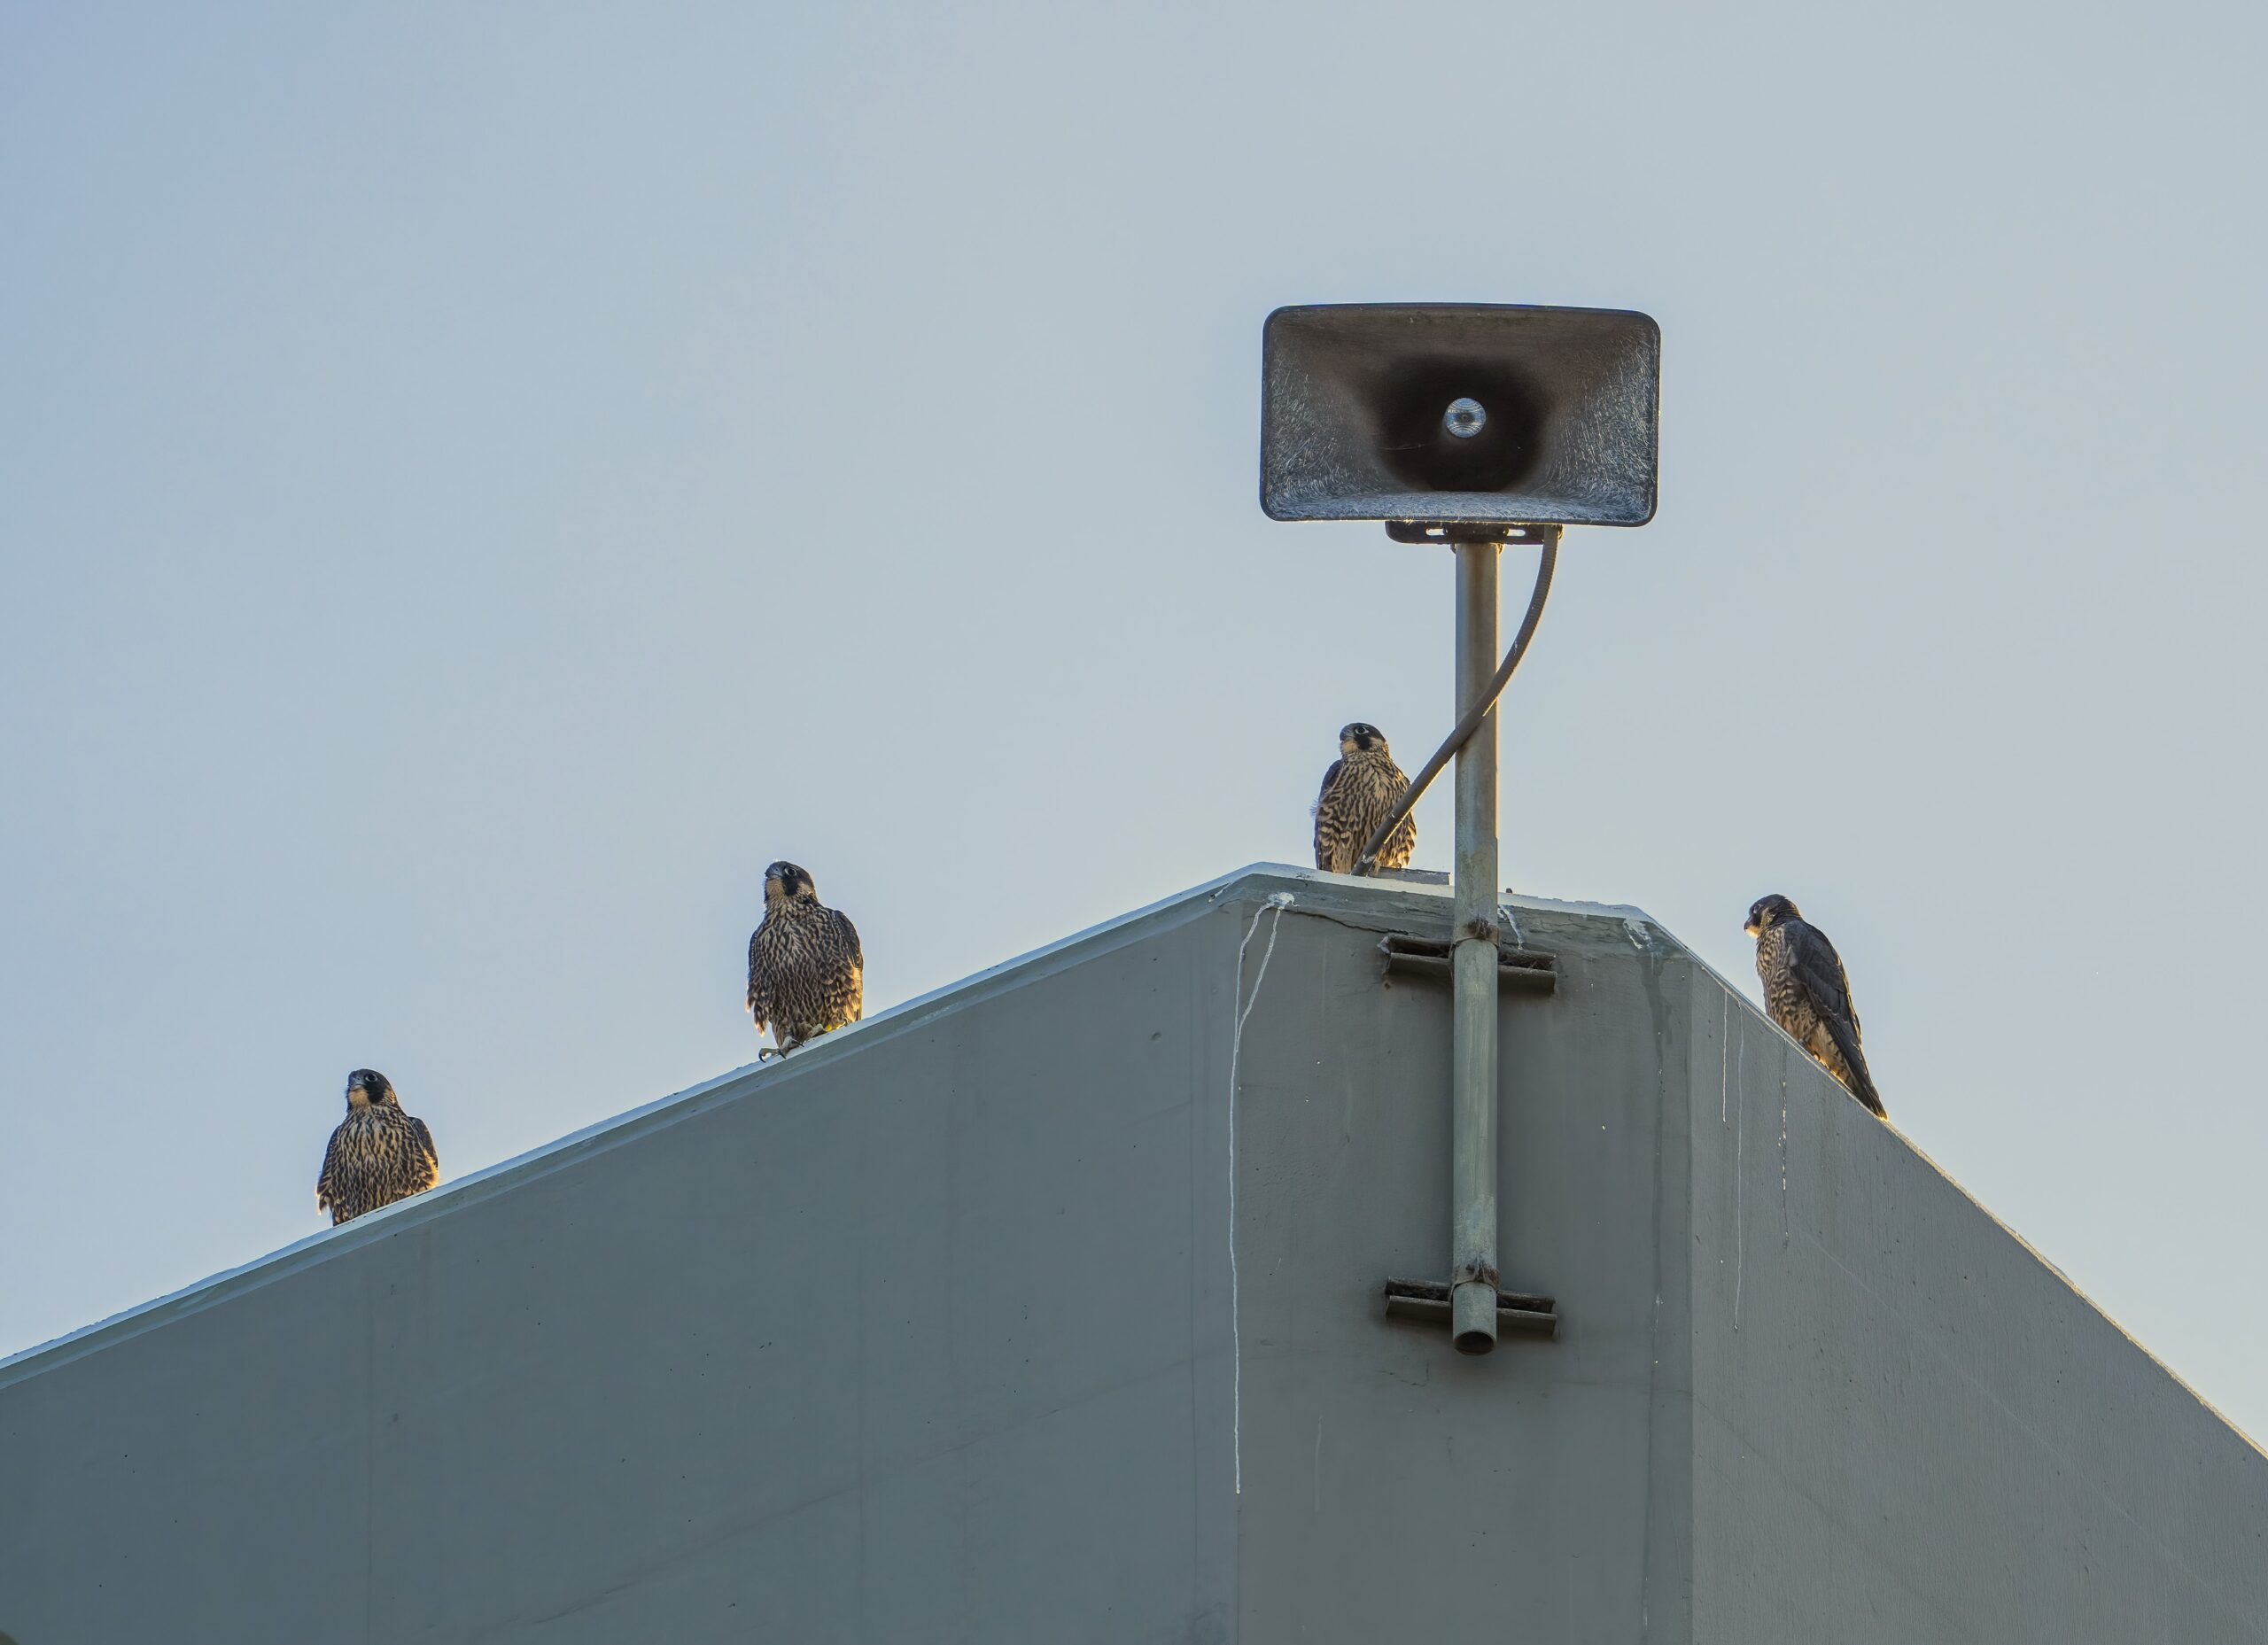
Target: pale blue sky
[(476, 483)]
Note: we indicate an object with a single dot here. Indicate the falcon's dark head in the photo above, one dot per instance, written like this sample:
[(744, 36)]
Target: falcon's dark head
[(365, 1087), (783, 881), (1360, 738), (1767, 911)]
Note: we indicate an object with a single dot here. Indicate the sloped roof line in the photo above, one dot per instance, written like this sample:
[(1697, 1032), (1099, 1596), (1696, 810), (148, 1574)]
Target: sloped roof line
[(1259, 879)]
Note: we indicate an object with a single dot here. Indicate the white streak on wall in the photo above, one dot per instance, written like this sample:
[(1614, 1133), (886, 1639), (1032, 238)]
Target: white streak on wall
[(1277, 904)]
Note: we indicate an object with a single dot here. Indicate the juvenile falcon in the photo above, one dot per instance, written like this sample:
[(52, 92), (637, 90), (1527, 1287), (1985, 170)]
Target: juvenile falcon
[(1360, 788), (805, 971), (1807, 994), (377, 1155)]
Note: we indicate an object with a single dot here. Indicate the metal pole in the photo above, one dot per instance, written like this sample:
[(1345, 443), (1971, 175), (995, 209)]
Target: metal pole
[(1472, 1045)]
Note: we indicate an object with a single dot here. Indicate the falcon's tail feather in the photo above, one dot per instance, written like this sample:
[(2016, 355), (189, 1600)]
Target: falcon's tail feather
[(1862, 1082)]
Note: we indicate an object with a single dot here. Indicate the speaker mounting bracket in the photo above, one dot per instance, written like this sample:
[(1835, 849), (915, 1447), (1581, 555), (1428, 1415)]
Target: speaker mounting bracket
[(1447, 531), (1428, 1302)]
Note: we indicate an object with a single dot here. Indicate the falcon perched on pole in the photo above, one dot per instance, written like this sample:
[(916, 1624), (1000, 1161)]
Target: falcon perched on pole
[(1807, 994), (806, 970), (377, 1155), (1359, 789)]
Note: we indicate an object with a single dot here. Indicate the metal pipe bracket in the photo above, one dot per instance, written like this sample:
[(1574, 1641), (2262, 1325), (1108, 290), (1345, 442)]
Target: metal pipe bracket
[(1427, 1301), (1427, 958)]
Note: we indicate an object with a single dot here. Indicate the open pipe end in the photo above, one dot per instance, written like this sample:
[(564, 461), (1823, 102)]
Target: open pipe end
[(1472, 1318)]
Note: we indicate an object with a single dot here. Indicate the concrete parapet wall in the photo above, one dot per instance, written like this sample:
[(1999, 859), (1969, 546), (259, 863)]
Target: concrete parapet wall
[(934, 1333)]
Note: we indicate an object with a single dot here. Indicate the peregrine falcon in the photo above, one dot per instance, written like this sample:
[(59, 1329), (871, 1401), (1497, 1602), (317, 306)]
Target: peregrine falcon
[(806, 970), (1362, 786), (1807, 994), (377, 1155)]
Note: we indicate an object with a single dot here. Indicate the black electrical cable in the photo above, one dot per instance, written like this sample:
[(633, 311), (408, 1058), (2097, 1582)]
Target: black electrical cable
[(1367, 862)]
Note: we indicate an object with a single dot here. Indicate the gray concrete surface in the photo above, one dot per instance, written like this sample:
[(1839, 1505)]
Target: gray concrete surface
[(1906, 1424), (932, 1333)]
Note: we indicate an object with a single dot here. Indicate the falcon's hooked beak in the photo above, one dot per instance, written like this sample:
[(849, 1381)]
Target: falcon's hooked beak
[(1753, 930)]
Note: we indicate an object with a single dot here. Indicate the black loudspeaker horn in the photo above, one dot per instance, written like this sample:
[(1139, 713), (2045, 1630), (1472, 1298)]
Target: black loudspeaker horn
[(1468, 413)]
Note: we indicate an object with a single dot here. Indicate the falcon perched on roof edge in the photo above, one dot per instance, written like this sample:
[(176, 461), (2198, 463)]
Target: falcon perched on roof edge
[(1362, 786), (377, 1155), (1807, 994), (806, 973)]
